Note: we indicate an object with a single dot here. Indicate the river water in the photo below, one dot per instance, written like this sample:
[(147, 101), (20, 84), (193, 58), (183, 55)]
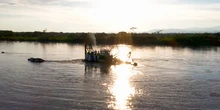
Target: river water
[(165, 78)]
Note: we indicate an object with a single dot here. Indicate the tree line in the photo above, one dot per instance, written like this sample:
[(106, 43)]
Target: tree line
[(172, 39)]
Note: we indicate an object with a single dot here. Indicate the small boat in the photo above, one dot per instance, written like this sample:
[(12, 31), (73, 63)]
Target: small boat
[(36, 59)]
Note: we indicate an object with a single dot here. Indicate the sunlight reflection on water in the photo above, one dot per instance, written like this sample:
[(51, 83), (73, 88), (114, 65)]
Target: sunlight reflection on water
[(121, 90), (122, 52)]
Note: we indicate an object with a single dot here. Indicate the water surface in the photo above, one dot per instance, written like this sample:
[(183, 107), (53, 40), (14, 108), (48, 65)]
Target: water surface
[(165, 78)]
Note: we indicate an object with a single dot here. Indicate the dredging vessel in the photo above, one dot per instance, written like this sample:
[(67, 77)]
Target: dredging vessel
[(104, 56)]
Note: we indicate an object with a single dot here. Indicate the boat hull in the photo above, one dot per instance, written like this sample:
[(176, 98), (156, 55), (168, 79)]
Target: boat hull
[(39, 60)]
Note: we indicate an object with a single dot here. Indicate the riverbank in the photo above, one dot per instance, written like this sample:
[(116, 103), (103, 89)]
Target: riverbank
[(180, 39)]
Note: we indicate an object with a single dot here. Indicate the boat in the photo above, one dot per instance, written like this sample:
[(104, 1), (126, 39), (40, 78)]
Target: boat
[(104, 56), (36, 60)]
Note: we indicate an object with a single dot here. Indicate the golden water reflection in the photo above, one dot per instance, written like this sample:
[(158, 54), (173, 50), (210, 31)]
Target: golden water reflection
[(121, 51), (121, 89)]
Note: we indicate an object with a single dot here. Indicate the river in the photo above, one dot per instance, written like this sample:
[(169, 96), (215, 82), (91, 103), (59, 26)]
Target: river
[(165, 78)]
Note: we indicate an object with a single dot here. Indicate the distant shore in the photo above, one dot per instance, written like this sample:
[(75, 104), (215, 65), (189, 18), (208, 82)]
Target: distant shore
[(171, 39)]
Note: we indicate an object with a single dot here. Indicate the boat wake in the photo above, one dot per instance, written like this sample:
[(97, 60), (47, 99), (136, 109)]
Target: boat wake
[(40, 60), (65, 61)]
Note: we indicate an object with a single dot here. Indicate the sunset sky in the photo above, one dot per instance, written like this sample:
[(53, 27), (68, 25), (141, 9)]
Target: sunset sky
[(107, 15)]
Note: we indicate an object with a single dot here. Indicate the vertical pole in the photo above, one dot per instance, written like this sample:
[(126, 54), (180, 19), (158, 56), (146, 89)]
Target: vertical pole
[(85, 51)]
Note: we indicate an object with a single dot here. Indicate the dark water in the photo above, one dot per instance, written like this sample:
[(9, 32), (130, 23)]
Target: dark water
[(165, 78)]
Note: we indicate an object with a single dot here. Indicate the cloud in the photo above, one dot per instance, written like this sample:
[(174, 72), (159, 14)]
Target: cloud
[(209, 7), (106, 15), (59, 3), (70, 3), (9, 2), (198, 1)]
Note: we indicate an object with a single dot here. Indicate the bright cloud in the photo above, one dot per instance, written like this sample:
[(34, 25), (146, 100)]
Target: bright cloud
[(106, 15)]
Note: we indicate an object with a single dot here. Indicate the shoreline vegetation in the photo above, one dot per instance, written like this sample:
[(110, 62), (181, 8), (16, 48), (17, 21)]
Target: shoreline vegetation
[(166, 39)]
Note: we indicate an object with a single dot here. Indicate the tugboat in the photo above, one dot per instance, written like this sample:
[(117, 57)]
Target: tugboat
[(104, 56)]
